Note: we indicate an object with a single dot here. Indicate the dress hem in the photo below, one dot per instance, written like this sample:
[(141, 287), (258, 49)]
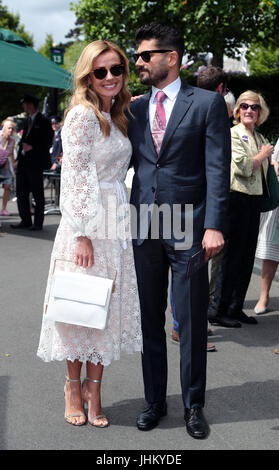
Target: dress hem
[(84, 360)]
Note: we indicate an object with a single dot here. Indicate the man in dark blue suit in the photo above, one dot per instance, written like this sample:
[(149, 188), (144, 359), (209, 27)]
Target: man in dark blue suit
[(181, 157)]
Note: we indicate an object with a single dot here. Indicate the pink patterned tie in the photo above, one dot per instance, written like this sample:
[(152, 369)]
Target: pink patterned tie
[(159, 123)]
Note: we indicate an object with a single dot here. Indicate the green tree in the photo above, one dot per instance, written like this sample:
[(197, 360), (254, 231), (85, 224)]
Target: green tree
[(263, 60), (72, 54), (45, 48), (217, 26), (12, 22)]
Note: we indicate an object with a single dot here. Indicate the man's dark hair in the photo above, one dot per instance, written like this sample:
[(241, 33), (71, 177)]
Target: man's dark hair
[(166, 37), (211, 77)]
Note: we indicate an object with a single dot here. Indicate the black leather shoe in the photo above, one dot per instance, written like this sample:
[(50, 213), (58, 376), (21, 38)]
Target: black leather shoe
[(196, 424), (228, 322), (243, 318), (150, 417), (36, 227), (20, 225)]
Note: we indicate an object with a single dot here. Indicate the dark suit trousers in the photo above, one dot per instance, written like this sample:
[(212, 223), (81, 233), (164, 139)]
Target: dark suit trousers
[(239, 253), (153, 259), (30, 181)]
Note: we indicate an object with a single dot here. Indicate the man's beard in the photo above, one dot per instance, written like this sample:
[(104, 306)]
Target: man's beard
[(153, 79)]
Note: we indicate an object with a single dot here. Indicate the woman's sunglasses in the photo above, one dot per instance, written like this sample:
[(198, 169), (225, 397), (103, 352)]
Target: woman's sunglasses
[(115, 70), (146, 55), (254, 107)]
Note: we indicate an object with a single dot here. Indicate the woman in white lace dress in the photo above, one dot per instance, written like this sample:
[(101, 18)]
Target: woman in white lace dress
[(96, 154)]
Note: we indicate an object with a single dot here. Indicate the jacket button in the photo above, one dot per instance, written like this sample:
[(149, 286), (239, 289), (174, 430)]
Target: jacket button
[(157, 165)]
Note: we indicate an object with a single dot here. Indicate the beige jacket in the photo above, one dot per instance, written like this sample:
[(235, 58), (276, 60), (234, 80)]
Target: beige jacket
[(245, 145)]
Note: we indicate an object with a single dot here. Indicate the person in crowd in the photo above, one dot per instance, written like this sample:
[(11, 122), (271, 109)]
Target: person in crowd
[(7, 142), (33, 158), (56, 150), (268, 246), (96, 156), (250, 155), (181, 155), (213, 79)]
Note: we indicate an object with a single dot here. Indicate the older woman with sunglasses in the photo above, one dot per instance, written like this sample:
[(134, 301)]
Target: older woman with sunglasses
[(250, 155), (96, 155)]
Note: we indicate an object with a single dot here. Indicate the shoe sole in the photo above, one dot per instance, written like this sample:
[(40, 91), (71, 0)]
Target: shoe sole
[(198, 436), (225, 326), (151, 426)]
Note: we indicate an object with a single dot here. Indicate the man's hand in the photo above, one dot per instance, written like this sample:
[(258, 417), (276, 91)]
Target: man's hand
[(213, 242), (27, 147)]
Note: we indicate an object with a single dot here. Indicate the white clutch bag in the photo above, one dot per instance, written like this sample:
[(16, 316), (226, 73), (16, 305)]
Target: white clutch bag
[(79, 299)]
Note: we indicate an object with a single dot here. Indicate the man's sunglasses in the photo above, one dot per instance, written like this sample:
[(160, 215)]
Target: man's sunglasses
[(146, 55), (115, 70), (254, 107)]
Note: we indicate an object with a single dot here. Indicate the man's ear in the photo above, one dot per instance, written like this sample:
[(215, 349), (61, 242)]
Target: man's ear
[(220, 88), (173, 58)]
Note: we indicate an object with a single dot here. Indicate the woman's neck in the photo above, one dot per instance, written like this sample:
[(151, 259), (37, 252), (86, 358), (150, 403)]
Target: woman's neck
[(250, 128), (106, 105)]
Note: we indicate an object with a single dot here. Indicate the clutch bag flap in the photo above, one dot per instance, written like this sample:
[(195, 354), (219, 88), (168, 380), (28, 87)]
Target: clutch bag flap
[(81, 287), (79, 299)]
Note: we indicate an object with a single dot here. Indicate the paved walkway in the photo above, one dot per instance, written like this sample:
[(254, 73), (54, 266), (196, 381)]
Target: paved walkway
[(243, 375)]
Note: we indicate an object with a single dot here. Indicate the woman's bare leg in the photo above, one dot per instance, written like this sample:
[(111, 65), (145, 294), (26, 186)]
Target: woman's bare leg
[(5, 196), (268, 272), (92, 393), (73, 398)]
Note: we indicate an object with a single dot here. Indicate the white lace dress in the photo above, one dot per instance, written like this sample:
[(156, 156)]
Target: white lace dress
[(93, 173)]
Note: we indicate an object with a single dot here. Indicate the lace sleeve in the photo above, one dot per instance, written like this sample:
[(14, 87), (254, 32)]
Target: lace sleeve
[(80, 192)]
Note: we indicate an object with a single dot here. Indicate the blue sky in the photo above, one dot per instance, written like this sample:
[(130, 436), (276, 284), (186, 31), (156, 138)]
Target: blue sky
[(42, 17)]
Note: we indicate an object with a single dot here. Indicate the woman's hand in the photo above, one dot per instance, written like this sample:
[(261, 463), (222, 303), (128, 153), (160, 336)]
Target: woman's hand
[(265, 152), (84, 255), (135, 98)]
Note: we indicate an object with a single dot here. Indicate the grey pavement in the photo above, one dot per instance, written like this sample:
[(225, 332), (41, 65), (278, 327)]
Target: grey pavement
[(242, 380)]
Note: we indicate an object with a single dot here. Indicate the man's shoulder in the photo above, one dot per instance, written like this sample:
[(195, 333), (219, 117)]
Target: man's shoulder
[(140, 102), (40, 117), (200, 93)]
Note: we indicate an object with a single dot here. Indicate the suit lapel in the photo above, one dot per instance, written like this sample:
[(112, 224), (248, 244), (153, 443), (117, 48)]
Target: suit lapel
[(183, 103)]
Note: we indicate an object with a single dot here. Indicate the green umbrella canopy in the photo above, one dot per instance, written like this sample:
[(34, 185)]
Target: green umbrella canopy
[(21, 64)]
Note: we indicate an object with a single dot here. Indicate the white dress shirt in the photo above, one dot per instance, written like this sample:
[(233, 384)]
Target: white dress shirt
[(171, 91)]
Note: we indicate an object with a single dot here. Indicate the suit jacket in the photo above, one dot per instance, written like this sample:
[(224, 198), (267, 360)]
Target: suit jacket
[(40, 137), (56, 146), (193, 166)]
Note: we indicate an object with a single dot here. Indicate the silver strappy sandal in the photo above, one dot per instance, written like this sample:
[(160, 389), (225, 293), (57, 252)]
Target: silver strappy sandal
[(77, 414), (98, 416)]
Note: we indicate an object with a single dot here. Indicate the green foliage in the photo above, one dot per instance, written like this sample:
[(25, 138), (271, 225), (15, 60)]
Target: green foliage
[(72, 54), (12, 22), (208, 25), (263, 60), (45, 48)]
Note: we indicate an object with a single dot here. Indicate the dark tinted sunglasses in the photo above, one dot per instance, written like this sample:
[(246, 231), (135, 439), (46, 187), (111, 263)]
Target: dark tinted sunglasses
[(146, 55), (254, 107), (115, 70)]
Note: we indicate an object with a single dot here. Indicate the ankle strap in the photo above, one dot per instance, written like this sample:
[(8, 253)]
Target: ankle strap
[(93, 380), (72, 380)]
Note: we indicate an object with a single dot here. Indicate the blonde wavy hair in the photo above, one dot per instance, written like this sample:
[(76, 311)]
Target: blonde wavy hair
[(6, 122), (252, 96), (85, 95)]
